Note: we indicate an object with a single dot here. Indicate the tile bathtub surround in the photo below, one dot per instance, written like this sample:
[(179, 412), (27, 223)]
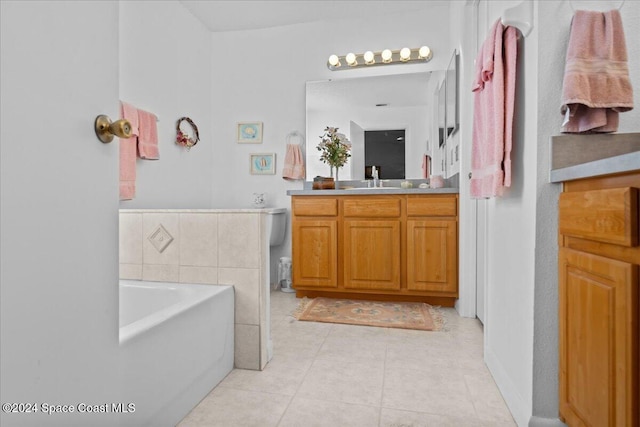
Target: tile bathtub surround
[(213, 246), (326, 374)]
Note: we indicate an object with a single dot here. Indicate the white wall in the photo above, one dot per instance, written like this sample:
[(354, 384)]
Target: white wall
[(59, 210), (260, 75), (165, 68)]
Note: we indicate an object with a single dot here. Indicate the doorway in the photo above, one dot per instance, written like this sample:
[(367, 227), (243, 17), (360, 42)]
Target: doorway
[(385, 149)]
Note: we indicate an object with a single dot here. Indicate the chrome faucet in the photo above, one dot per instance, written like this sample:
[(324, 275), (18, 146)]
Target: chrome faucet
[(374, 174)]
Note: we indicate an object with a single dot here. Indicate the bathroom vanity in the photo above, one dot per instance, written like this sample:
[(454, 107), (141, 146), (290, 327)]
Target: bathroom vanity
[(376, 243), (599, 268)]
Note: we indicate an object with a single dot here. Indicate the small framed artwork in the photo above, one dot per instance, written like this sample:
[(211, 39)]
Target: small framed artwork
[(250, 133), (263, 163)]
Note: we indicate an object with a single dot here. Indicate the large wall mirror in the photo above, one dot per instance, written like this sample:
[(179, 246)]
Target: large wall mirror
[(360, 106)]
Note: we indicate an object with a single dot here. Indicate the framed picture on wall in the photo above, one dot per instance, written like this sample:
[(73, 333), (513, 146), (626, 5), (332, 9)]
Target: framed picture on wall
[(263, 163), (249, 133)]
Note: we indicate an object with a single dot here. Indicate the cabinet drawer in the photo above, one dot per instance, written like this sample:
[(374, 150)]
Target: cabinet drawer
[(432, 206), (609, 216), (315, 207), (372, 207)]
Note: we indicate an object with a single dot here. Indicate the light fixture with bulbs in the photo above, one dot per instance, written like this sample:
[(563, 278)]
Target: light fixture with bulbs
[(385, 57)]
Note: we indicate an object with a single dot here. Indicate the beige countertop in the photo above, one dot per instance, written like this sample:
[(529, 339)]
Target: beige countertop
[(584, 156), (372, 191)]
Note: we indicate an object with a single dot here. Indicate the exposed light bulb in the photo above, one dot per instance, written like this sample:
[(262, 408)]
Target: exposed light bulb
[(405, 54), (369, 57), (351, 58), (424, 52), (386, 56), (334, 61)]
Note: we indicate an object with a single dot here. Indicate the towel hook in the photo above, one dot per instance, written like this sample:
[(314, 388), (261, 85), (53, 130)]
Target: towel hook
[(106, 129), (295, 133)]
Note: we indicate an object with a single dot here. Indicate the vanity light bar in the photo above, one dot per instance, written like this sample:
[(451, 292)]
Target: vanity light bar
[(385, 57)]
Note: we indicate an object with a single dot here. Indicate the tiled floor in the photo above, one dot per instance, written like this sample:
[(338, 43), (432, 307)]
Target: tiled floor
[(341, 375)]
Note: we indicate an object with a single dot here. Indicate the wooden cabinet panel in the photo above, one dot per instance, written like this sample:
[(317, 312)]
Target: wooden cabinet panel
[(314, 206), (315, 253), (432, 206), (598, 299), (372, 254), (372, 207), (608, 215), (432, 255)]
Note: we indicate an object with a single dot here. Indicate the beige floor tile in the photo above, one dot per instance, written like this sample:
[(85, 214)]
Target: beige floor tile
[(358, 382), (228, 407), (326, 374), (349, 349), (442, 392), (319, 413), (396, 418), (282, 375)]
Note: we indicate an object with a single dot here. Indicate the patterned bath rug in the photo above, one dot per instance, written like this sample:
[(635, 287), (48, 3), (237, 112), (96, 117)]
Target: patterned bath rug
[(387, 314)]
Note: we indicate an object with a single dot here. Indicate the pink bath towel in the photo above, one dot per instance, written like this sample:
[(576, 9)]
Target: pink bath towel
[(494, 100), (293, 163), (128, 147), (148, 137), (596, 85)]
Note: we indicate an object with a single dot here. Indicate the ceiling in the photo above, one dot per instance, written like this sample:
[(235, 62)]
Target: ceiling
[(229, 15)]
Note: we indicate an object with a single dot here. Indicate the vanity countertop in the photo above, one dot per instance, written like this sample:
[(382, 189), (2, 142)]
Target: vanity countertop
[(618, 164), (585, 156), (372, 191)]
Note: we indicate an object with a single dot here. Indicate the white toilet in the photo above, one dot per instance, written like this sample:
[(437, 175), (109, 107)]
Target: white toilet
[(277, 226)]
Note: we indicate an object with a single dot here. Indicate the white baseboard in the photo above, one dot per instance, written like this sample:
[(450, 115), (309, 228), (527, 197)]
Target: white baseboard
[(520, 410)]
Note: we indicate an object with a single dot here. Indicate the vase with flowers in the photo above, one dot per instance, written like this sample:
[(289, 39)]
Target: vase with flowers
[(334, 149)]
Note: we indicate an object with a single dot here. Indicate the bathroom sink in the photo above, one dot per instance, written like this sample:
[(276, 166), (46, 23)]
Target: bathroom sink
[(374, 188)]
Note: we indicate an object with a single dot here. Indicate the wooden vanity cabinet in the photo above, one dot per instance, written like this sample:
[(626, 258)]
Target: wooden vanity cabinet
[(371, 243), (599, 334), (432, 244), (385, 247), (315, 240)]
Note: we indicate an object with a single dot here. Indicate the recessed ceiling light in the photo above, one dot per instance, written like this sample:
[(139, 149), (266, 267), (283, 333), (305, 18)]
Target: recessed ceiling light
[(382, 105)]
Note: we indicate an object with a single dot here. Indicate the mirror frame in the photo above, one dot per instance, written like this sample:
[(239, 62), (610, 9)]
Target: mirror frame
[(452, 112)]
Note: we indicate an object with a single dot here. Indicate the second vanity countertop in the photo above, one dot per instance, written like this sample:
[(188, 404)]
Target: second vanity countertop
[(372, 191)]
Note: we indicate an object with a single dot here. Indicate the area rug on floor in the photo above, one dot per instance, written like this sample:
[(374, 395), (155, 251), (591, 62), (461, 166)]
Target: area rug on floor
[(404, 315)]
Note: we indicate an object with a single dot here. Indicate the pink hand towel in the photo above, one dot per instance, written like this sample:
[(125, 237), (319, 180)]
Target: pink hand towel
[(148, 136), (293, 163), (128, 153), (494, 100), (596, 85)]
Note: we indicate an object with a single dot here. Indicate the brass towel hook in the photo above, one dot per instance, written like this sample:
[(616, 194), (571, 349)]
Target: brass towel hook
[(106, 129)]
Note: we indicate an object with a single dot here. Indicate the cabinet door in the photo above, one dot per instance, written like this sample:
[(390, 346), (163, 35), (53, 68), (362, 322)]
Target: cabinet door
[(315, 253), (598, 299), (372, 254), (432, 255)]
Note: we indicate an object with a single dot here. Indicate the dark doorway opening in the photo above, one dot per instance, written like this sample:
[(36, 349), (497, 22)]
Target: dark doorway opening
[(384, 149)]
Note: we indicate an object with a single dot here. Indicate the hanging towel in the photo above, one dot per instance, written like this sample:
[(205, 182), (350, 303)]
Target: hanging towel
[(596, 85), (293, 163), (426, 166), (128, 153), (494, 100), (148, 136)]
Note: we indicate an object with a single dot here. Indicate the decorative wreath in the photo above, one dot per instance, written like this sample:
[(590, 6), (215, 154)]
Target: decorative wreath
[(183, 138)]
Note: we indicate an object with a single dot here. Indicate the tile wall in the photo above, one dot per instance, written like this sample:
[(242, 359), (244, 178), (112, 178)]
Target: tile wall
[(209, 247)]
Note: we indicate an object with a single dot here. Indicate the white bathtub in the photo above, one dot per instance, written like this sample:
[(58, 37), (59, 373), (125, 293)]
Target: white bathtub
[(176, 344)]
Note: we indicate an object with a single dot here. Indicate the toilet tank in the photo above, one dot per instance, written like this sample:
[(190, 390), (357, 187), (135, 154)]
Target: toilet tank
[(277, 226)]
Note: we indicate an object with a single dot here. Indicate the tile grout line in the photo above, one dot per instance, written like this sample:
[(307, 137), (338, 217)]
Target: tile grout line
[(384, 376), (303, 377)]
